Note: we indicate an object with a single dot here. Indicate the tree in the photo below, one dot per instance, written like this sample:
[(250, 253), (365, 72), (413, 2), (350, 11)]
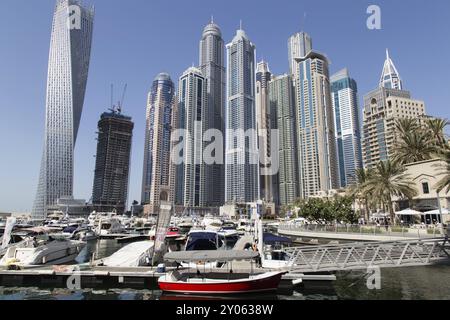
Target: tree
[(414, 147), (388, 180), (436, 129), (444, 183), (358, 190)]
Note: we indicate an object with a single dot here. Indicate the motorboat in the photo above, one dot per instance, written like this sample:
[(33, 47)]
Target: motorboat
[(203, 240), (39, 248), (173, 233), (136, 254), (213, 282), (108, 226), (211, 223)]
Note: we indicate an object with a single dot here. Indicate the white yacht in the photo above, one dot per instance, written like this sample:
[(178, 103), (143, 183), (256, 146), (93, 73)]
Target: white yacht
[(109, 226), (41, 249)]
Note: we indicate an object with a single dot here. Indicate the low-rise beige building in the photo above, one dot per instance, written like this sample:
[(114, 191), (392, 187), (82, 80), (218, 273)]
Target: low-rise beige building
[(425, 176)]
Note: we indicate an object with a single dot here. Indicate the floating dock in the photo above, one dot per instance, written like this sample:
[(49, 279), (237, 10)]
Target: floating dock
[(109, 277)]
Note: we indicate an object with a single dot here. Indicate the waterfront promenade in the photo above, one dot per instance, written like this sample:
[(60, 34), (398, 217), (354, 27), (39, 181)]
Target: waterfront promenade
[(358, 232)]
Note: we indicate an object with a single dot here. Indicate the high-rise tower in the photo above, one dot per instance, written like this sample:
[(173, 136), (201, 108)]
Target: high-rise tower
[(112, 167), (68, 65), (318, 170), (344, 93), (264, 126), (382, 108), (282, 105), (212, 66), (158, 182), (241, 150), (192, 105)]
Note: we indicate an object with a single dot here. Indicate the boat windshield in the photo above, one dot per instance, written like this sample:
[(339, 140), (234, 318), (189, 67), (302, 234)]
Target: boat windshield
[(203, 241)]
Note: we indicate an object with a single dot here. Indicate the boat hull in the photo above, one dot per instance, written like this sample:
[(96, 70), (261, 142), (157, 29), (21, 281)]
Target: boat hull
[(261, 284)]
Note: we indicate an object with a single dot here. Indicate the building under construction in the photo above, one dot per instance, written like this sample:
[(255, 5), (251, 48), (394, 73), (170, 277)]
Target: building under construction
[(110, 191)]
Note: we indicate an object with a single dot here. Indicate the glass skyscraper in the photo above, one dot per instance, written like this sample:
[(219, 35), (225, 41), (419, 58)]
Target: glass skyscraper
[(282, 105), (264, 125), (190, 175), (344, 93), (212, 66), (158, 182), (318, 171), (241, 150), (70, 49)]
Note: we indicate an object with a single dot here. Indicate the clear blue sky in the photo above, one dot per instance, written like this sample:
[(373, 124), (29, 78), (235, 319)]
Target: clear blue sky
[(136, 39)]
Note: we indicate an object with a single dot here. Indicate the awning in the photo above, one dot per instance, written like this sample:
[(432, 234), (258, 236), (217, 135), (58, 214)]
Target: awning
[(408, 212), (210, 255), (436, 212)]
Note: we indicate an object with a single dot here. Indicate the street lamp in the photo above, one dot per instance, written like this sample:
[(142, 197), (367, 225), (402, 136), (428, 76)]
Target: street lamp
[(440, 214)]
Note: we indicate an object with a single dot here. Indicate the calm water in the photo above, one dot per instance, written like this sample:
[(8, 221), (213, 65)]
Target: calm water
[(415, 283)]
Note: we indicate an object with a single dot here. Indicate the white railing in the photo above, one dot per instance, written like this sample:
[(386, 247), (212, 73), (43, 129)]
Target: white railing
[(389, 231), (363, 255)]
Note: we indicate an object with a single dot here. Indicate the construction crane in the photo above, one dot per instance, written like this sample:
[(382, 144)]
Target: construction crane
[(117, 108)]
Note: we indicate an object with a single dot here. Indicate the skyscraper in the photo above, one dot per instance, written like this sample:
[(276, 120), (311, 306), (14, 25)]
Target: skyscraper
[(344, 93), (192, 105), (299, 45), (112, 167), (263, 122), (212, 66), (317, 158), (70, 49), (382, 107), (158, 182), (241, 151), (282, 105)]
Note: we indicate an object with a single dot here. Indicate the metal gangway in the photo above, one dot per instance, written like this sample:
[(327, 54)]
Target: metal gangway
[(362, 255)]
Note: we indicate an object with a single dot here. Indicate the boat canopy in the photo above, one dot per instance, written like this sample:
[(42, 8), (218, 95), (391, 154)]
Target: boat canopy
[(210, 255)]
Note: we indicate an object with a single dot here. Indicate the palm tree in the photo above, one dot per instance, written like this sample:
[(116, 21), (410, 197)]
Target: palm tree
[(358, 190), (436, 128), (388, 180), (403, 126), (444, 183), (413, 147)]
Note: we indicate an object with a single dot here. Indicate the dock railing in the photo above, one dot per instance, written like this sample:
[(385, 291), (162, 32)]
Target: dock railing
[(390, 231)]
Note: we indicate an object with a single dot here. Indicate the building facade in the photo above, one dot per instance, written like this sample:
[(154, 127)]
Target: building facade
[(241, 150), (425, 176), (112, 167), (282, 105), (158, 182), (382, 108), (317, 157), (192, 106), (264, 126), (70, 50), (212, 66), (344, 93)]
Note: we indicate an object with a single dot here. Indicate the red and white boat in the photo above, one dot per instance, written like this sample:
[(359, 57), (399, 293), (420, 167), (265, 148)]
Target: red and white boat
[(173, 233), (217, 281)]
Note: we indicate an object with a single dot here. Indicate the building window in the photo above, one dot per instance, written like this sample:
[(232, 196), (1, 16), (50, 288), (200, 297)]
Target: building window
[(425, 188)]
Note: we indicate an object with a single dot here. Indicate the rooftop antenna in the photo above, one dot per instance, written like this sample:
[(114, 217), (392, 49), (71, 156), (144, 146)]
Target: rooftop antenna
[(304, 22), (240, 24), (212, 19)]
